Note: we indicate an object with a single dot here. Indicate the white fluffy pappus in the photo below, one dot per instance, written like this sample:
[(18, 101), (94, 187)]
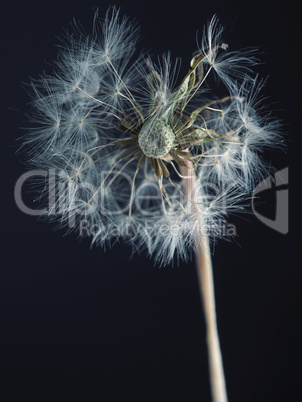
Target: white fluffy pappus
[(116, 131)]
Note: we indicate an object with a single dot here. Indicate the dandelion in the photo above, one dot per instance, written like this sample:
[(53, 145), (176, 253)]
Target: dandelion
[(144, 156)]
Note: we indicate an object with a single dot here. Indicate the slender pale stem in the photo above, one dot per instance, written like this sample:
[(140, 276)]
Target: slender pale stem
[(206, 287)]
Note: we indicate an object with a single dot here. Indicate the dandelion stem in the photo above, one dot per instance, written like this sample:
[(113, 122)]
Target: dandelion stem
[(206, 287)]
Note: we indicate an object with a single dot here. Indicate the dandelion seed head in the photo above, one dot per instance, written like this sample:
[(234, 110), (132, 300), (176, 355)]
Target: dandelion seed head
[(118, 130)]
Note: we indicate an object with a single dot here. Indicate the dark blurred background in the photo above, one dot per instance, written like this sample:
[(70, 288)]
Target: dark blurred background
[(107, 327)]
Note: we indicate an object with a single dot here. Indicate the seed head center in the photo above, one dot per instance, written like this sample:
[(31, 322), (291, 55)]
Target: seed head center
[(156, 138)]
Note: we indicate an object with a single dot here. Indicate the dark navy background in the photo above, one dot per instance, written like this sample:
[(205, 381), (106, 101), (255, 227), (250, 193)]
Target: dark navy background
[(75, 321)]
